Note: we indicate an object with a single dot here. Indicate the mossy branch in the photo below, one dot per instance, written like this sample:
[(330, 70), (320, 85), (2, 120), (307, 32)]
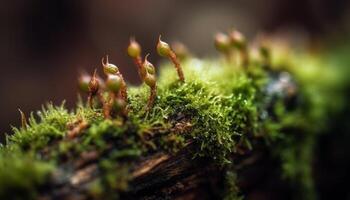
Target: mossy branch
[(197, 137)]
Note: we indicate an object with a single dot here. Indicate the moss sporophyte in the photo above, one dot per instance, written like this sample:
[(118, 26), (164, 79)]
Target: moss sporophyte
[(220, 112)]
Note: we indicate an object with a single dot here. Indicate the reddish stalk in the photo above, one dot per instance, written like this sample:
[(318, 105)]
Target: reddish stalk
[(176, 62), (107, 106), (123, 89), (152, 97), (138, 63), (165, 50)]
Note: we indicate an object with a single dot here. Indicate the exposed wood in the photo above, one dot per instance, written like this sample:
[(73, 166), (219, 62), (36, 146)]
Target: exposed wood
[(166, 176)]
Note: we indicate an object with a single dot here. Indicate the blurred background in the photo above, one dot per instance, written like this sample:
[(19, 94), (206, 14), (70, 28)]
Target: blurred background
[(43, 44)]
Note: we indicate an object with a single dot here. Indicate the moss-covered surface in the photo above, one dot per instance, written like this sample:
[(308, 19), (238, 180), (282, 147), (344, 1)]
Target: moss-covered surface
[(221, 108)]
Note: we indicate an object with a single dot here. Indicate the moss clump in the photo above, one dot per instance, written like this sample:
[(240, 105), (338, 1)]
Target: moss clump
[(22, 175), (221, 108), (51, 124)]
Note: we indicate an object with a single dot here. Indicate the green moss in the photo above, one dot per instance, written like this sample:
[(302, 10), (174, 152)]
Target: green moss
[(218, 109), (51, 125), (231, 189), (21, 175)]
